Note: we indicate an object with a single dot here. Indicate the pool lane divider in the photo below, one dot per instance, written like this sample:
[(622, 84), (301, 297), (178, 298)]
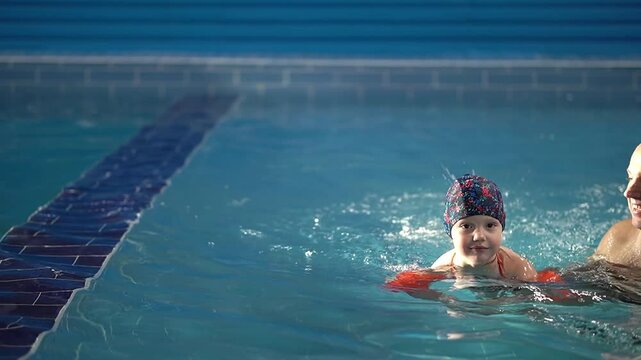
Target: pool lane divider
[(67, 242)]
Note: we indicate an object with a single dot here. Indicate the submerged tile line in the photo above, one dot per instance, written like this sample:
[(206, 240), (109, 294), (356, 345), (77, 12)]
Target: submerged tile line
[(66, 243)]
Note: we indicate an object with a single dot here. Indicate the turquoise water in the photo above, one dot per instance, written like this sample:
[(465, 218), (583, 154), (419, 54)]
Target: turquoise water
[(276, 238), (41, 155)]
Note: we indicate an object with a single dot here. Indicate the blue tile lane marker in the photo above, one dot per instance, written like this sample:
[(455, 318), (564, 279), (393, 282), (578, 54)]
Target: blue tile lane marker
[(65, 243)]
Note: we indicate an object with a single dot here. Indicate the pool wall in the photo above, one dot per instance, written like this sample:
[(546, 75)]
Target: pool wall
[(53, 84), (321, 28)]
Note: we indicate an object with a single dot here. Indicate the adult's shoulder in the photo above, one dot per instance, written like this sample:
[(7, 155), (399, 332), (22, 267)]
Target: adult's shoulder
[(623, 225), (615, 239), (621, 230)]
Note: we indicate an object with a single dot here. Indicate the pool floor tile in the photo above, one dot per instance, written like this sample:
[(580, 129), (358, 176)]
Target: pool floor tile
[(67, 241)]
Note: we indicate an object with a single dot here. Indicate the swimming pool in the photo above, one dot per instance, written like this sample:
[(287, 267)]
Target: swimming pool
[(276, 238)]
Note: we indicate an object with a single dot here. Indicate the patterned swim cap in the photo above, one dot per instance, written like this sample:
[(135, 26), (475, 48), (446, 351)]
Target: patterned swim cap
[(472, 195)]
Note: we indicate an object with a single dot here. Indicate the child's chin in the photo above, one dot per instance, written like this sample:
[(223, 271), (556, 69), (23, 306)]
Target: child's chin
[(475, 261)]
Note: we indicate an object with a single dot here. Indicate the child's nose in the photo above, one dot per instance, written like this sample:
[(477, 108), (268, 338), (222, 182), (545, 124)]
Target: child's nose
[(479, 234), (634, 189)]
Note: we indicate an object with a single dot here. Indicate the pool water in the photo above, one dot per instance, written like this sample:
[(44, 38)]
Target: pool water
[(41, 155), (275, 240)]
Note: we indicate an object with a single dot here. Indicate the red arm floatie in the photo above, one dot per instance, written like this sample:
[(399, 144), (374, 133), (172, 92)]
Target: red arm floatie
[(421, 279), (549, 275), (414, 280), (417, 283)]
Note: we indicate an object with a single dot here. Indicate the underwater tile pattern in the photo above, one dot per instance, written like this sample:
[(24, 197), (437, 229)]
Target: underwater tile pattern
[(66, 242)]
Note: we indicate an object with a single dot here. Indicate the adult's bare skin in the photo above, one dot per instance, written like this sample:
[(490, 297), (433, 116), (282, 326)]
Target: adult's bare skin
[(621, 244)]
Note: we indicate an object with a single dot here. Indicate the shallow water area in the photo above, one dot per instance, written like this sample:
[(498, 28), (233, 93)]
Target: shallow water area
[(276, 239)]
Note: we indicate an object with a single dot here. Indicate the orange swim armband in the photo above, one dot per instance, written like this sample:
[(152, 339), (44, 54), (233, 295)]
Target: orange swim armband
[(414, 280), (421, 279), (561, 296), (549, 275)]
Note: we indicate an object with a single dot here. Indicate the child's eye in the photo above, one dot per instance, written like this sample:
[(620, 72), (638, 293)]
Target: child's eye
[(492, 225), (466, 226)]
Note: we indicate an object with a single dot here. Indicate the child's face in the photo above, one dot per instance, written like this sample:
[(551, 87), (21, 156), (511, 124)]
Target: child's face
[(476, 239)]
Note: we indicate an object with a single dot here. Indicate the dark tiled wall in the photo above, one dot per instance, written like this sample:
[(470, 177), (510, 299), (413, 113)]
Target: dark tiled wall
[(274, 82)]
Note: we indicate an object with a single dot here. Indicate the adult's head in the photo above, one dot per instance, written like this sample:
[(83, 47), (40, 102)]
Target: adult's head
[(633, 190)]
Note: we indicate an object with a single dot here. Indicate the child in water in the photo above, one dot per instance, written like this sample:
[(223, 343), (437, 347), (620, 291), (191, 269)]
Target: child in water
[(474, 219)]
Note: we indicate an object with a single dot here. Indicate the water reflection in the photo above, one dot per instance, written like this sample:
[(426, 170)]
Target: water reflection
[(598, 302), (617, 282)]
